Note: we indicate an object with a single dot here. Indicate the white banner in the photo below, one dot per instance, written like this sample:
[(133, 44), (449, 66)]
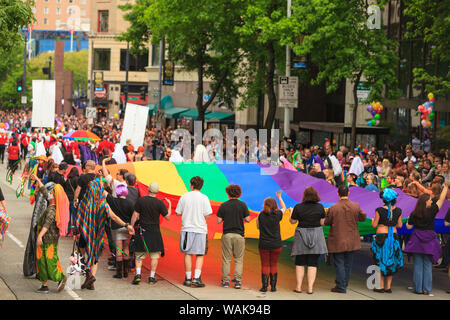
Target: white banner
[(43, 104), (134, 124), (91, 113)]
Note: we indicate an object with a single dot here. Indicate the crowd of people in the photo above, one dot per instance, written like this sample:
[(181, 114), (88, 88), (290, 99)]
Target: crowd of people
[(100, 204)]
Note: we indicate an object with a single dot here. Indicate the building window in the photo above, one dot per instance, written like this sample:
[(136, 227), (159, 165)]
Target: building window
[(58, 1), (45, 10), (155, 55), (103, 17), (102, 58), (136, 63), (83, 12), (58, 11), (70, 1), (45, 21), (83, 1), (69, 11)]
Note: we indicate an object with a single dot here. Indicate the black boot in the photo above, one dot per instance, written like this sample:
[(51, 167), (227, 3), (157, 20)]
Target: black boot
[(118, 274), (125, 268), (265, 282), (273, 282)]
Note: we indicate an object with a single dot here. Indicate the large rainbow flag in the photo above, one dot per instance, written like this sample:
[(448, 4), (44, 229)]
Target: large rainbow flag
[(257, 182)]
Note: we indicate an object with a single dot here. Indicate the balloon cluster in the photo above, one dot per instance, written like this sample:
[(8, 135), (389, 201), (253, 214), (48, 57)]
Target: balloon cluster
[(426, 110), (374, 109)]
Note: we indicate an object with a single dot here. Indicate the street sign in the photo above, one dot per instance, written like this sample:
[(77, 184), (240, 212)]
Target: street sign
[(288, 92), (168, 73), (298, 62), (98, 81), (362, 91), (159, 115), (206, 98), (24, 99)]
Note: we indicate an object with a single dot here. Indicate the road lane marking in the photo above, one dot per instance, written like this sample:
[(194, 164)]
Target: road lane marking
[(73, 294), (17, 241)]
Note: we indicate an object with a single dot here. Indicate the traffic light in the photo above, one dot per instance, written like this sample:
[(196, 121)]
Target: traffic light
[(143, 92), (19, 85)]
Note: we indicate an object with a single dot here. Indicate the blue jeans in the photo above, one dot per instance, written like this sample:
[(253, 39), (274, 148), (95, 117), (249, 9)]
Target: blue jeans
[(343, 262), (423, 273)]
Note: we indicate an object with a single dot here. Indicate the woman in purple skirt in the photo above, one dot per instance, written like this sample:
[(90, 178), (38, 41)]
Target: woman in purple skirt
[(424, 245)]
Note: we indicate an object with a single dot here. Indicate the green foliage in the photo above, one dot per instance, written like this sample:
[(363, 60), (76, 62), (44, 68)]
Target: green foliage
[(263, 24), (443, 138), (430, 21), (200, 37), (12, 69), (339, 43), (77, 61), (14, 14), (138, 33)]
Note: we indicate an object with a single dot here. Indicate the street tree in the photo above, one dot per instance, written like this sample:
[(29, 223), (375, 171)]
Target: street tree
[(429, 20), (11, 67), (201, 38), (261, 32), (14, 14), (341, 46)]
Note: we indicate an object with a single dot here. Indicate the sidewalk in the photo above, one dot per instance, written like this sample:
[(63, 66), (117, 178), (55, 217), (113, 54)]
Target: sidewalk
[(5, 292)]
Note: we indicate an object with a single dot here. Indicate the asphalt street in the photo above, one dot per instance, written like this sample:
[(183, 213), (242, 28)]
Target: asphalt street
[(14, 286)]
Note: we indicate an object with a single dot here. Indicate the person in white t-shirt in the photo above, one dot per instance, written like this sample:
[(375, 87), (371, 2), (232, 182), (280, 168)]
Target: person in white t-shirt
[(416, 144), (409, 156), (113, 183), (194, 207)]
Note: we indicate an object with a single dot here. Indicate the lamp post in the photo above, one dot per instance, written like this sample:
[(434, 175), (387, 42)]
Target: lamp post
[(287, 111), (161, 60), (24, 77), (91, 86), (127, 67), (49, 68)]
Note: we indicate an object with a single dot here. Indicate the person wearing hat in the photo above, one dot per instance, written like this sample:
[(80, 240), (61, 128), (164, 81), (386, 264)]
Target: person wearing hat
[(148, 237), (386, 248)]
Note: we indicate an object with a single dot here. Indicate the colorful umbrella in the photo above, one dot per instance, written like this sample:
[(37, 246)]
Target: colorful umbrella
[(81, 135)]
